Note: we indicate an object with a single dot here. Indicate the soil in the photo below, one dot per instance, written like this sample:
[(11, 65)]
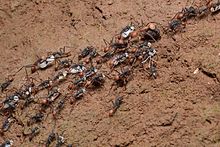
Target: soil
[(179, 108)]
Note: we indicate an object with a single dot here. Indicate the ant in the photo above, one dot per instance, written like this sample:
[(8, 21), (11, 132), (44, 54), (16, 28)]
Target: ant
[(203, 11), (59, 107), (44, 63), (176, 25), (44, 84), (86, 51), (118, 59), (34, 132), (106, 57), (7, 82), (52, 96), (40, 64), (153, 71), (7, 143), (215, 7), (6, 124), (127, 31), (90, 72), (123, 77), (140, 52), (35, 119), (60, 64), (78, 94), (76, 68), (148, 55), (60, 76), (116, 104), (79, 82), (97, 81), (50, 138), (60, 139), (10, 103), (115, 45)]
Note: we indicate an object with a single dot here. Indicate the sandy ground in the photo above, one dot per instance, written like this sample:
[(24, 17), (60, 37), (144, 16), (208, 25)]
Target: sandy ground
[(178, 108)]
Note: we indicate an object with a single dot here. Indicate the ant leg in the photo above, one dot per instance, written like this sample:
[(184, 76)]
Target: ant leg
[(106, 42), (110, 89), (145, 60)]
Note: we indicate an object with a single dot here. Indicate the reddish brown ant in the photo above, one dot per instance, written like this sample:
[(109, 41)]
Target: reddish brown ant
[(116, 104)]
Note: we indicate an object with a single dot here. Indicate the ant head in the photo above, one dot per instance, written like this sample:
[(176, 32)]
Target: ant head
[(180, 15), (140, 57), (134, 34), (111, 112), (33, 69), (133, 50), (87, 61), (111, 63), (81, 74), (99, 60), (44, 101), (116, 78), (152, 26), (70, 87)]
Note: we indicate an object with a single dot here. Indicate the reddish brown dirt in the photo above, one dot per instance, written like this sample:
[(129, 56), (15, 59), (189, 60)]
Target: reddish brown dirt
[(179, 108)]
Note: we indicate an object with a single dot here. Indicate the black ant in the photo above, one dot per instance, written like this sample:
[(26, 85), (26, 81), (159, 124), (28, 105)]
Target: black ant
[(34, 132), (7, 143), (215, 7), (35, 119), (60, 139), (5, 84), (59, 107), (50, 138), (86, 51)]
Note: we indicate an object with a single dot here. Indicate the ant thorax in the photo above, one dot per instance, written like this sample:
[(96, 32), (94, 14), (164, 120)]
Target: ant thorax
[(127, 31)]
